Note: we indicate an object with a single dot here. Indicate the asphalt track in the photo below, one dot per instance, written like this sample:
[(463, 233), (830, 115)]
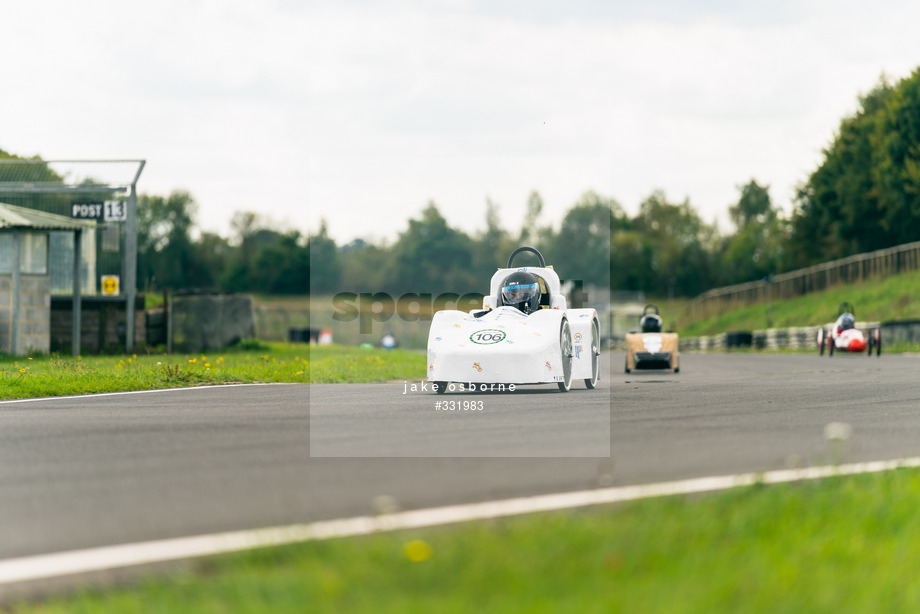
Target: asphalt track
[(101, 470)]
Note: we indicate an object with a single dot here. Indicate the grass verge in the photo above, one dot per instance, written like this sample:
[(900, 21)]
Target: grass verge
[(844, 544), (876, 300), (340, 364), (45, 376)]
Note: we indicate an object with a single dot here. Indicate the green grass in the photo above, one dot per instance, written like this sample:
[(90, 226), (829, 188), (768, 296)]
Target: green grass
[(875, 300), (43, 376), (845, 544), (337, 364)]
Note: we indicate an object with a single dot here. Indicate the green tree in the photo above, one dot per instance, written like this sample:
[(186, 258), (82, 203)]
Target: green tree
[(491, 247), (865, 195), (581, 248), (680, 245), (430, 256), (756, 248), (213, 252), (529, 230), (167, 257), (365, 266), (34, 170), (753, 207), (324, 265), (282, 265)]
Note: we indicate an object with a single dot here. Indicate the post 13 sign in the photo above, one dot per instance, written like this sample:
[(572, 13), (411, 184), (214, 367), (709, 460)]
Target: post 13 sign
[(108, 211)]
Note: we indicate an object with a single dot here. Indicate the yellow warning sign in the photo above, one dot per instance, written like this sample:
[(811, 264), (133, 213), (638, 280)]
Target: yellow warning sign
[(110, 285)]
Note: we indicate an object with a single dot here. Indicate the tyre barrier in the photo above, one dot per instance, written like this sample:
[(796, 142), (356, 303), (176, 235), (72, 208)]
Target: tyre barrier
[(739, 339), (794, 338)]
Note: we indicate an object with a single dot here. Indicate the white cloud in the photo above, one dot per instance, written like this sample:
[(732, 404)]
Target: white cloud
[(325, 109)]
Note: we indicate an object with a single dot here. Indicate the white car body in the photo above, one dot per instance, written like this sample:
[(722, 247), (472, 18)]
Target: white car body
[(505, 346)]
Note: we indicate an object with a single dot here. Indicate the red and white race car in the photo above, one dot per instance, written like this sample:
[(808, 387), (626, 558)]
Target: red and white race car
[(845, 337)]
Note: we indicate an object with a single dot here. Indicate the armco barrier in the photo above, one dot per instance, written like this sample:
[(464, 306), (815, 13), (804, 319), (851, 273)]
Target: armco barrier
[(902, 331), (878, 264)]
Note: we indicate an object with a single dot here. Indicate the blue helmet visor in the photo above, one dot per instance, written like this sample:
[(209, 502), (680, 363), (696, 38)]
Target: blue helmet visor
[(518, 293)]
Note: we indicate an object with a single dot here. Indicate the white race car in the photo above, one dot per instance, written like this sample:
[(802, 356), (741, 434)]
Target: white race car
[(524, 334)]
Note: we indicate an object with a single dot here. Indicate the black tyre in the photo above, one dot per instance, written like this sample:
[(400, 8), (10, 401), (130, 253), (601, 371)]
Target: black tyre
[(591, 383), (565, 345), (442, 387), (821, 339), (830, 346), (878, 342)]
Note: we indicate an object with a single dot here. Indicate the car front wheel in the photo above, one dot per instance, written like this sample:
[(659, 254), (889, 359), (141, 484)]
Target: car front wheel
[(591, 382), (565, 345)]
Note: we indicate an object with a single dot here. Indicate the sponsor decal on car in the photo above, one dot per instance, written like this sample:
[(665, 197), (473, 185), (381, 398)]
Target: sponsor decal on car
[(488, 336), (652, 343), (477, 366)]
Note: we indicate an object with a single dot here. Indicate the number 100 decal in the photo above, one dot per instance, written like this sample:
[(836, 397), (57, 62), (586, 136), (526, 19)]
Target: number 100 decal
[(485, 337)]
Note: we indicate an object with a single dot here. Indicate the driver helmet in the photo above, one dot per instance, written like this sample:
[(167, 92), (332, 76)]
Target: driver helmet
[(847, 322), (521, 290), (650, 323)]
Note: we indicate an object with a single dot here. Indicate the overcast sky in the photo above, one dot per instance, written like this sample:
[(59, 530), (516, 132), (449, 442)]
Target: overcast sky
[(361, 112)]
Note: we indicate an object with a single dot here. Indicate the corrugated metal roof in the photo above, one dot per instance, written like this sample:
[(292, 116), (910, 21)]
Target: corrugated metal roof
[(13, 217)]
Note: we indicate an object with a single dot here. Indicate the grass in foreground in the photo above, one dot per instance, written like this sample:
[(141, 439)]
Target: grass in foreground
[(43, 376), (844, 544)]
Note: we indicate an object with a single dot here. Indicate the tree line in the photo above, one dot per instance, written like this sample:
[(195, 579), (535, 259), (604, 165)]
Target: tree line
[(173, 255), (665, 248), (866, 193)]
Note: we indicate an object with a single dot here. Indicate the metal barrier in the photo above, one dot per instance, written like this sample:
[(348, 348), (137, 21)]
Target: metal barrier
[(878, 264)]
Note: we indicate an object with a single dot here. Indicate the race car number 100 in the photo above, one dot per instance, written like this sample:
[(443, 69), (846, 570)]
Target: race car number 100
[(485, 337)]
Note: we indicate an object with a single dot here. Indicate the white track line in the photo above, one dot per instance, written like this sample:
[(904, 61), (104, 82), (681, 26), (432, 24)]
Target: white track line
[(113, 394), (111, 557)]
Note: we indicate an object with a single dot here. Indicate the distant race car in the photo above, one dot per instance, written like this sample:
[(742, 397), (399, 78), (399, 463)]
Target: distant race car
[(845, 337), (524, 334), (651, 348)]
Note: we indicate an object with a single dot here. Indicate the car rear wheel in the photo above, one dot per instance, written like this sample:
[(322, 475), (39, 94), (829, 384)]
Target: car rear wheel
[(591, 382), (442, 387), (821, 339), (565, 344)]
